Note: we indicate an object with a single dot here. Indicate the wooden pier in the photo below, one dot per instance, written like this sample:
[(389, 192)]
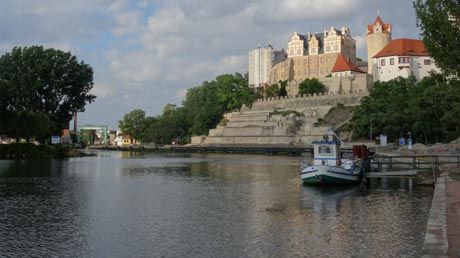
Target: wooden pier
[(424, 168)]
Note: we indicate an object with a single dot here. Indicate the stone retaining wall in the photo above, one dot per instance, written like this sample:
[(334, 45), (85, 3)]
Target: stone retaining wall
[(261, 124)]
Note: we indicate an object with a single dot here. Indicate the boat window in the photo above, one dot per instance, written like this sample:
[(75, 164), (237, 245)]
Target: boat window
[(325, 150)]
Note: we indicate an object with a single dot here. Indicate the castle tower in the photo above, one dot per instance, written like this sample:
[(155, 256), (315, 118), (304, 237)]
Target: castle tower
[(378, 36)]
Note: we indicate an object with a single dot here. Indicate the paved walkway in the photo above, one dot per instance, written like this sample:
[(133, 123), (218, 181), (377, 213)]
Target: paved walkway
[(453, 217), (442, 238)]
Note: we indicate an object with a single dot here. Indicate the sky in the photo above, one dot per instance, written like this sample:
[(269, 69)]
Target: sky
[(147, 53)]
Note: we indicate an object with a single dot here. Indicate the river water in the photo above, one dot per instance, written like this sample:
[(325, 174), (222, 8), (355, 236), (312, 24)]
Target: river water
[(118, 204)]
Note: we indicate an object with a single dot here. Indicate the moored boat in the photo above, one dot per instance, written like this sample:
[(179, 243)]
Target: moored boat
[(328, 167)]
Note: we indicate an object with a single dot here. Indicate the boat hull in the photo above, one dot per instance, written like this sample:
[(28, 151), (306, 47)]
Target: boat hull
[(324, 174)]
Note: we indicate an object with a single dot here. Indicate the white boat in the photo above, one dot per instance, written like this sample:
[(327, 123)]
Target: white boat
[(328, 167)]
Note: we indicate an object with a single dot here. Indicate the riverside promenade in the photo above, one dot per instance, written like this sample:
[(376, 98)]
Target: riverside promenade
[(442, 238)]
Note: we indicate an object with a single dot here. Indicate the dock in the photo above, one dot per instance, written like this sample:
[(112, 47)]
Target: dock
[(394, 174)]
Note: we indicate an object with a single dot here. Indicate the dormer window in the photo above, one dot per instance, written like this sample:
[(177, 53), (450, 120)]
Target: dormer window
[(313, 50)]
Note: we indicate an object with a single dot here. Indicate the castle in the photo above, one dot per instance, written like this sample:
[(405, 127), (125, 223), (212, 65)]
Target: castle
[(329, 56), (316, 55)]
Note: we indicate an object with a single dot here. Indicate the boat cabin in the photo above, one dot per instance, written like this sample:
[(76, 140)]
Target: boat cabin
[(326, 152)]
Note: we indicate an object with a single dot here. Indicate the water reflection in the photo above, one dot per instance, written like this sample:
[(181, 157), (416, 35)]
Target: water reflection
[(325, 199), (198, 205)]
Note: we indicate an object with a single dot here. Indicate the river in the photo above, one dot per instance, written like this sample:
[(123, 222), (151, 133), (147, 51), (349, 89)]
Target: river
[(120, 204)]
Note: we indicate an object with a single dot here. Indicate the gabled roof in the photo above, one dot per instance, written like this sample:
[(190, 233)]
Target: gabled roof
[(386, 27), (403, 47), (342, 65)]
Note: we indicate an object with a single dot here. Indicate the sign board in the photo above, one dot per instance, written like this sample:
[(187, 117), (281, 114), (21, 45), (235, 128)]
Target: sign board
[(401, 141), (409, 142), (55, 139)]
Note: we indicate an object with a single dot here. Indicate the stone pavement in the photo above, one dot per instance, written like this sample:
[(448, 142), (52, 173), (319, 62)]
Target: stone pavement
[(453, 216), (442, 238)]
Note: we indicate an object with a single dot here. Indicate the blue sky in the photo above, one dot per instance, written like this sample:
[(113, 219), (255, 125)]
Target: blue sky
[(147, 53)]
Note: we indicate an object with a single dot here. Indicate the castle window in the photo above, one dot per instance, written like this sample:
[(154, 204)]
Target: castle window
[(322, 59), (298, 51), (305, 61), (304, 72), (313, 50), (336, 48), (404, 60), (328, 48), (291, 52), (382, 62), (427, 62), (392, 61)]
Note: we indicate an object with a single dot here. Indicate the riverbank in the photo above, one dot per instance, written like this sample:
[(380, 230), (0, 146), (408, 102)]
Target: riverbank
[(32, 151), (442, 238)]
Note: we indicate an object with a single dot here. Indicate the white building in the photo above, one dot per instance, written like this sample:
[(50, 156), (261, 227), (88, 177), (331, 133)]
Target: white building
[(261, 61), (403, 57)]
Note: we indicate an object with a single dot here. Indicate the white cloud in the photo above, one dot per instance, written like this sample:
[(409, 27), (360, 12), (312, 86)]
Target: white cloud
[(303, 9), (146, 53)]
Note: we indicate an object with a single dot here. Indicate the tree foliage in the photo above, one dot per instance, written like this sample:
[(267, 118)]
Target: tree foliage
[(133, 123), (311, 86), (439, 21), (206, 104), (201, 110), (41, 87), (428, 109)]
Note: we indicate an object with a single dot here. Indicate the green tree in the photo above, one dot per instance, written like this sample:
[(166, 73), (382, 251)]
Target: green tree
[(272, 91), (40, 85), (428, 109), (439, 21), (133, 123), (206, 104), (311, 86), (282, 86)]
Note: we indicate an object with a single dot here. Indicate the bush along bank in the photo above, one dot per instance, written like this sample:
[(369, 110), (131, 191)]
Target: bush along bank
[(32, 151)]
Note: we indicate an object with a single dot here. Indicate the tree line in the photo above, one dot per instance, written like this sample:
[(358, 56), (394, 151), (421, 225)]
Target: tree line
[(428, 111), (203, 109)]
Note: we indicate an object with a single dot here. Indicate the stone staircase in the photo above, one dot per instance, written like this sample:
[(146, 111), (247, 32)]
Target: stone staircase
[(279, 121)]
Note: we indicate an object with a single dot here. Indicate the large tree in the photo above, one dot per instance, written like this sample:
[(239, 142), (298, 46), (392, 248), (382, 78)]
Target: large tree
[(40, 86), (440, 24), (133, 123)]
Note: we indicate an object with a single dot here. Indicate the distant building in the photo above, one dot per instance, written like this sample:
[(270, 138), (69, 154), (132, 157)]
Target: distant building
[(378, 36), (261, 61), (403, 57)]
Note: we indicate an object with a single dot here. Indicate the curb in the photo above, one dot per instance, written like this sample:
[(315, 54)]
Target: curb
[(436, 243)]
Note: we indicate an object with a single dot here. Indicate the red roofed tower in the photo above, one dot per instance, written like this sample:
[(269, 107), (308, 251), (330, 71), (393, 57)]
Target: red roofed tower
[(378, 36)]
